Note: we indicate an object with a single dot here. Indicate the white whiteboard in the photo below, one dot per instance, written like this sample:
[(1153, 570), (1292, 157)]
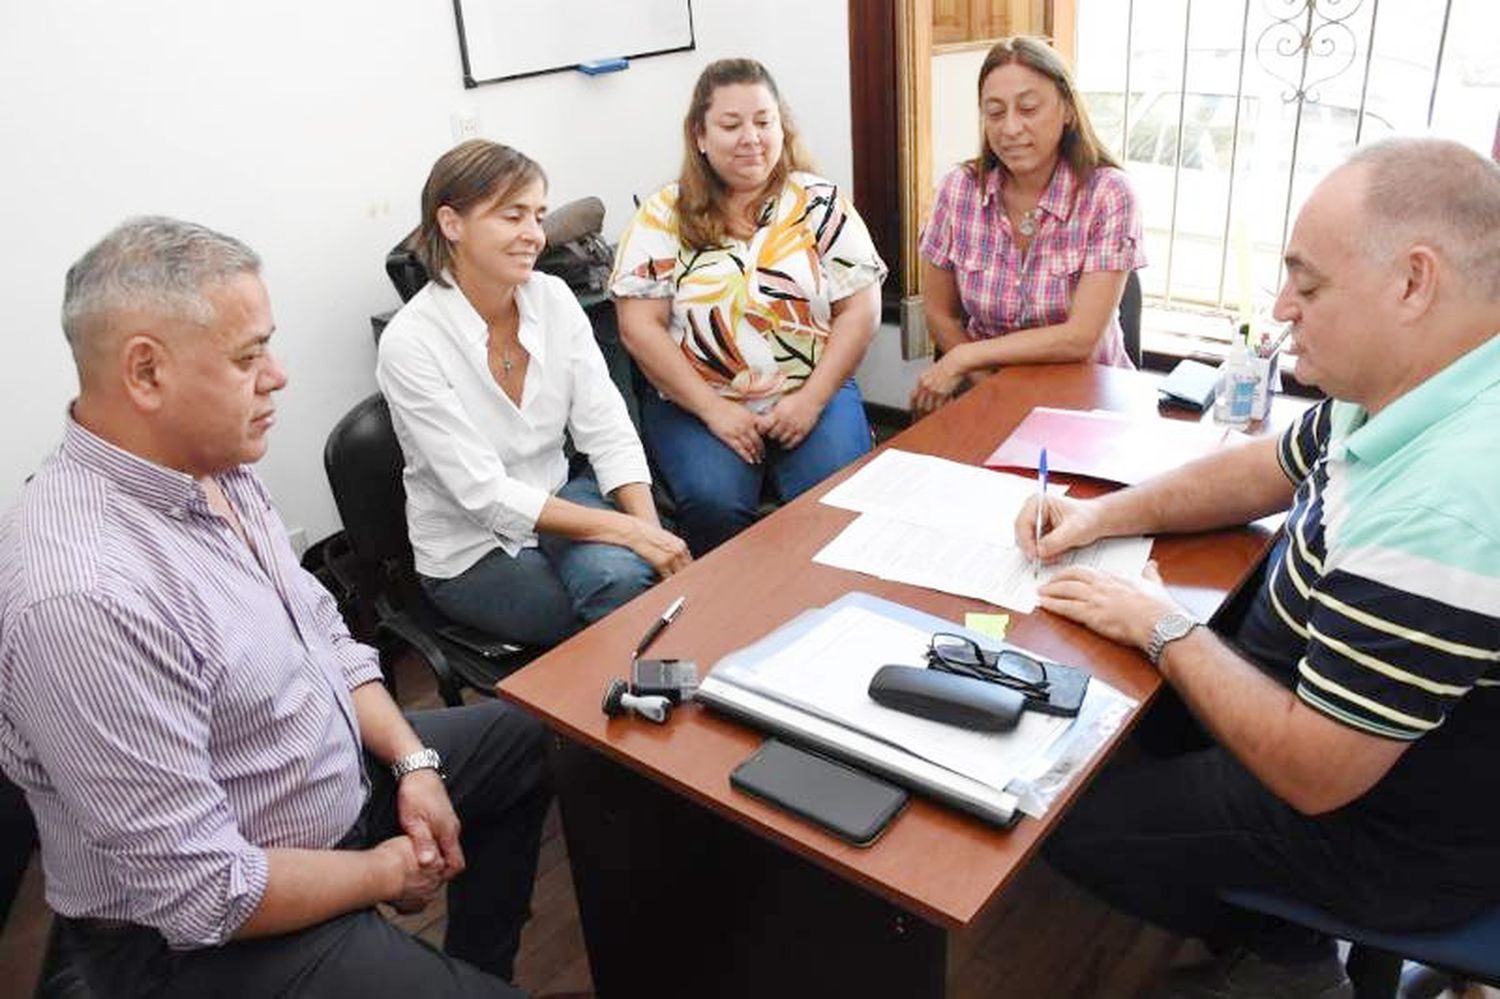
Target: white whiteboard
[(504, 39)]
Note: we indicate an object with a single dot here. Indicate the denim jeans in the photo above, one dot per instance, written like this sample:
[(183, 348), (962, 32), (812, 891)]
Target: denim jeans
[(716, 492), (542, 595)]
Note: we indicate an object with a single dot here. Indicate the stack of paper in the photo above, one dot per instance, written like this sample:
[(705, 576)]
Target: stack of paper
[(809, 680), (948, 526)]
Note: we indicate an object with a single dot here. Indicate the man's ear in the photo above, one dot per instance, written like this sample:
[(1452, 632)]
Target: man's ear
[(450, 223), (143, 364), (1420, 278)]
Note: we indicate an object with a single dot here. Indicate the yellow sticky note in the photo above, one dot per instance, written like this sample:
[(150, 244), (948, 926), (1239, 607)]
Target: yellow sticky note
[(993, 625)]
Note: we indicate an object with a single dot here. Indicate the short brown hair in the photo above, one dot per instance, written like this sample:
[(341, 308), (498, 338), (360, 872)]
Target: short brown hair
[(465, 175), (702, 218), (1080, 146)]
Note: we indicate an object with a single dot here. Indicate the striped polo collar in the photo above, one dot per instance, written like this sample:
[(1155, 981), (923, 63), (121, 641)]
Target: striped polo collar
[(1452, 388)]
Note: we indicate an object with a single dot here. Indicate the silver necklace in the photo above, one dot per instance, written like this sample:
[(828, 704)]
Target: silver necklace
[(1027, 227), (506, 363)]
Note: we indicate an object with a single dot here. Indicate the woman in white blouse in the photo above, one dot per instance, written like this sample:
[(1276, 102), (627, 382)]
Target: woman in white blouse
[(485, 369)]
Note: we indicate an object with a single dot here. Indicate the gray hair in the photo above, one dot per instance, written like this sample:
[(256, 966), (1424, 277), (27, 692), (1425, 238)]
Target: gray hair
[(1437, 192), (149, 263)]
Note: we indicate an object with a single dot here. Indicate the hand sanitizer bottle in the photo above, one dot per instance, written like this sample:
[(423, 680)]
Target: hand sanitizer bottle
[(1236, 396)]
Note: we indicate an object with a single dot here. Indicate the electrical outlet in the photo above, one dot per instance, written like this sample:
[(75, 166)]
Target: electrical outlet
[(465, 124)]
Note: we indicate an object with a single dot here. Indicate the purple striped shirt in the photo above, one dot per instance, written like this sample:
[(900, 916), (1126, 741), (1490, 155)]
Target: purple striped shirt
[(172, 702)]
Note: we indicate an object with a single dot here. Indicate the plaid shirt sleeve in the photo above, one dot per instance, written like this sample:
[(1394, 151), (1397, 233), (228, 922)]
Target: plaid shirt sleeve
[(937, 237), (1115, 238)]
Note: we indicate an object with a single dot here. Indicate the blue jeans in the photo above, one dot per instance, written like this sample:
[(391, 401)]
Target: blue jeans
[(544, 594), (716, 492)]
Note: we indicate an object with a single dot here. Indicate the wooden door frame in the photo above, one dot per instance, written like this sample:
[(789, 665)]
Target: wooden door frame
[(890, 51)]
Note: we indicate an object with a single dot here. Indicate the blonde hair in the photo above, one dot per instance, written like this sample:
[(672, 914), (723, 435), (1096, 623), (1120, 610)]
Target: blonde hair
[(702, 197), (465, 175), (1080, 146)]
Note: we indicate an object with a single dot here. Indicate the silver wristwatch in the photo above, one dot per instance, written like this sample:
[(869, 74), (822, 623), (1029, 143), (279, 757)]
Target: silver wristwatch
[(1169, 628), (425, 758)]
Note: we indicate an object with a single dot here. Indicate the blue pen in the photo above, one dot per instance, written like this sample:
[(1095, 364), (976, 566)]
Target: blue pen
[(1041, 505)]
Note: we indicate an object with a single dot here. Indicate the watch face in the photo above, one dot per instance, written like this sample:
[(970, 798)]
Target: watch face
[(1175, 626), (1169, 628)]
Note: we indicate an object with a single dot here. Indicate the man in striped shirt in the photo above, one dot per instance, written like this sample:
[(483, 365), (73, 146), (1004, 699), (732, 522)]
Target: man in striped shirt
[(1353, 721), (184, 709)]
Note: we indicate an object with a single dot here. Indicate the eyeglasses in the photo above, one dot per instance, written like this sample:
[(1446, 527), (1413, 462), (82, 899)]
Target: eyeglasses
[(963, 656)]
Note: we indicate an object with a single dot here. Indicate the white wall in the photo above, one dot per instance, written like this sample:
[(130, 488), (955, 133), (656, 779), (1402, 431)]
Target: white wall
[(306, 129), (955, 108)]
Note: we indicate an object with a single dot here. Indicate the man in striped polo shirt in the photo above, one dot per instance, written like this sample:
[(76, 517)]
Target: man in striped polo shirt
[(185, 711), (1350, 727)]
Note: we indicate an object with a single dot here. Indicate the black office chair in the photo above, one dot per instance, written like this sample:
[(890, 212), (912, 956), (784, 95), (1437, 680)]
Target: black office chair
[(59, 977), (404, 269), (364, 462), (1130, 317)]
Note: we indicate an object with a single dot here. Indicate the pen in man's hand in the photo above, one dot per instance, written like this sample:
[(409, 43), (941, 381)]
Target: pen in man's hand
[(658, 626), (1041, 505)]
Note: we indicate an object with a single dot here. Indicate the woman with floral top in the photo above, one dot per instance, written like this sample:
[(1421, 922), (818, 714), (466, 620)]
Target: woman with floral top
[(747, 293), (1030, 243)]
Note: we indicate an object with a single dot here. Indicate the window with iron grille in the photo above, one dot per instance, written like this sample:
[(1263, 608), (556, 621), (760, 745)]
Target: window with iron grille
[(1226, 113)]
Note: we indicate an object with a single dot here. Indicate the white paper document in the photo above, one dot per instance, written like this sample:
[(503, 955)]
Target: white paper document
[(927, 556), (959, 499)]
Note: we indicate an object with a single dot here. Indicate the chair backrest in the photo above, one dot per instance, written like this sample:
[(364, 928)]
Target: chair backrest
[(17, 840), (1130, 317), (364, 463), (404, 269)]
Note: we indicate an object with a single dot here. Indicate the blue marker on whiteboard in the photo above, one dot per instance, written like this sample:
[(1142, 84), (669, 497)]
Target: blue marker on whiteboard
[(594, 67)]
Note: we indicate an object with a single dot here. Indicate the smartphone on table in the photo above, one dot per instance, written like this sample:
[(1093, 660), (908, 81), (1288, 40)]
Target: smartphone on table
[(848, 802)]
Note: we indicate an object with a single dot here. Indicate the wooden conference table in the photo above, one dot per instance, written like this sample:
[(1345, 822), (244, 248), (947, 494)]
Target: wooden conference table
[(686, 887)]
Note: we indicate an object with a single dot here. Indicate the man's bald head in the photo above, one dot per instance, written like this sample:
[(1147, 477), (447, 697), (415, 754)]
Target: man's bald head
[(1438, 193)]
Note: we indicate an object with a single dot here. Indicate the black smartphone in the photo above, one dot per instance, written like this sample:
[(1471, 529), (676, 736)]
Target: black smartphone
[(1066, 686), (847, 802)]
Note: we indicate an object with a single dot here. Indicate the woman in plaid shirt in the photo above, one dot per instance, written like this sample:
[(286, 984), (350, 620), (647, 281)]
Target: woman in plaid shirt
[(1030, 242)]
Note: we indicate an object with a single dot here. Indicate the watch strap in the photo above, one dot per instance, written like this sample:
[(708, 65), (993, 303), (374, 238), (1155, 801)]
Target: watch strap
[(425, 758)]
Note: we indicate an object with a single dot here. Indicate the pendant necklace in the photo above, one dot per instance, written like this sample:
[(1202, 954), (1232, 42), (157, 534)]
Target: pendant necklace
[(1027, 227), (505, 361)]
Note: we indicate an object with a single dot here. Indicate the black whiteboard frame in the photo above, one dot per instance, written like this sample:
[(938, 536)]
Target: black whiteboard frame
[(470, 83)]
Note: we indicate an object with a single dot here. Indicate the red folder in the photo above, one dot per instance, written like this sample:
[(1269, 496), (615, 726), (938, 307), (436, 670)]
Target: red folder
[(1115, 447)]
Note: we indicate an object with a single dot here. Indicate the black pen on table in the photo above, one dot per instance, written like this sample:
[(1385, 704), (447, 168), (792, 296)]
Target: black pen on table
[(658, 626)]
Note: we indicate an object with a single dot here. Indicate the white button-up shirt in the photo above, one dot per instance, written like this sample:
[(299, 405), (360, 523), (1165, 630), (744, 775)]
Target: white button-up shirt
[(479, 468)]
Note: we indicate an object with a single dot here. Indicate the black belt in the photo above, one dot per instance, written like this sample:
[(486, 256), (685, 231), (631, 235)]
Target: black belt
[(89, 926)]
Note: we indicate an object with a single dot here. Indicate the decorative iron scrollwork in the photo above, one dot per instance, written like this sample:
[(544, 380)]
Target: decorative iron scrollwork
[(1315, 34)]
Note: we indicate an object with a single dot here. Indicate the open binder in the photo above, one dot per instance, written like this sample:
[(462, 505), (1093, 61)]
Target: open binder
[(775, 685)]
